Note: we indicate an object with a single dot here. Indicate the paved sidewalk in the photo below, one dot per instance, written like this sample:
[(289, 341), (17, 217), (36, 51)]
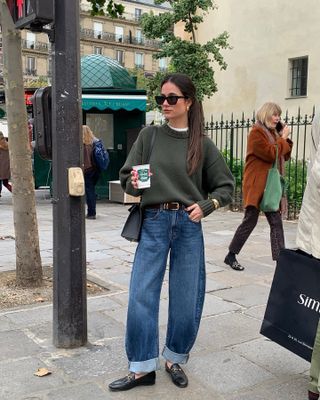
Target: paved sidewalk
[(230, 360)]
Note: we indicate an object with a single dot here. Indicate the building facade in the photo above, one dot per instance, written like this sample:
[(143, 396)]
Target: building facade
[(274, 55), (120, 39)]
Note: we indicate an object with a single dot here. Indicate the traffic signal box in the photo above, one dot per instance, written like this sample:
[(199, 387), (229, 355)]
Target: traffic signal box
[(42, 122), (31, 14)]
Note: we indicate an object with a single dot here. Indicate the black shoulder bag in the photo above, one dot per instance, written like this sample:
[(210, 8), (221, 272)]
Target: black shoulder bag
[(132, 227)]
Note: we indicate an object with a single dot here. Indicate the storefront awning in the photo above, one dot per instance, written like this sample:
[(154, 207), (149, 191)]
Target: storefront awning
[(114, 102)]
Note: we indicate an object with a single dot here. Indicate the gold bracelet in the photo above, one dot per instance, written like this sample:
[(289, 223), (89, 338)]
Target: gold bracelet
[(216, 203)]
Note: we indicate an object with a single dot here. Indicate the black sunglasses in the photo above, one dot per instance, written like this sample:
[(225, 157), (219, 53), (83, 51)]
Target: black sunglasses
[(172, 100)]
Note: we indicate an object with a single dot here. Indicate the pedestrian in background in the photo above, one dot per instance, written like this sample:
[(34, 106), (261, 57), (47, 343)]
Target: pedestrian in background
[(91, 172), (263, 140), (308, 231), (4, 164), (190, 179), (308, 237)]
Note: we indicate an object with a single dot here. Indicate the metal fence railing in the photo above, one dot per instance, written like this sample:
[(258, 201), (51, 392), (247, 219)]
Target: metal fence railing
[(230, 136)]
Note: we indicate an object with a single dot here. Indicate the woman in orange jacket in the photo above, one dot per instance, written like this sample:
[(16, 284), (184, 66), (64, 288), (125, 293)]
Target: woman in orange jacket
[(262, 144)]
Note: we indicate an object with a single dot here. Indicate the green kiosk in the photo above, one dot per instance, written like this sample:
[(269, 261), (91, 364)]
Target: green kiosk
[(115, 111)]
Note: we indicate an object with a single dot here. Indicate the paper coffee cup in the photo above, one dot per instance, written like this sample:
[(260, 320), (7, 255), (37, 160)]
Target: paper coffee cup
[(143, 171)]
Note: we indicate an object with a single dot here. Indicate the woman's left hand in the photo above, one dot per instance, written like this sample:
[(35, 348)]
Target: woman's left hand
[(285, 132), (195, 212)]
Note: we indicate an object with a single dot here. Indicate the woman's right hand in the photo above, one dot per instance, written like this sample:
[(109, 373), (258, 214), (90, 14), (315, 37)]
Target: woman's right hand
[(285, 132), (134, 179)]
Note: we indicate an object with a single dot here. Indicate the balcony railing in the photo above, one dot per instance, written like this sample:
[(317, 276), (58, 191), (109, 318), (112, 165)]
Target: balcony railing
[(85, 7), (34, 45), (116, 38), (29, 71), (131, 16), (127, 16)]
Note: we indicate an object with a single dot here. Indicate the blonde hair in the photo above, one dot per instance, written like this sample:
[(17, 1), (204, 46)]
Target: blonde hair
[(87, 135), (265, 113)]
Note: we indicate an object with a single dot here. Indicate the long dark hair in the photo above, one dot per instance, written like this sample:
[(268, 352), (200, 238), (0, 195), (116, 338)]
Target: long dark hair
[(195, 118)]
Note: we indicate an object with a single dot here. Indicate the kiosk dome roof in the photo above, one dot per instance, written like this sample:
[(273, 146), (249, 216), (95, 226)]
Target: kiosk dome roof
[(98, 71)]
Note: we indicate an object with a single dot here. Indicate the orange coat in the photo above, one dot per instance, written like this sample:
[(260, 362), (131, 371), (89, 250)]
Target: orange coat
[(4, 160), (259, 159)]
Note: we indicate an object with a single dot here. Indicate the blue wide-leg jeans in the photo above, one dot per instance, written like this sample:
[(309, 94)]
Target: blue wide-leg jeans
[(163, 232)]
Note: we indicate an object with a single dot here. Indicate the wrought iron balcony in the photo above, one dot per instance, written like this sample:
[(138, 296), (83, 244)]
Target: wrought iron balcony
[(30, 71), (34, 45), (127, 16), (132, 17), (116, 38)]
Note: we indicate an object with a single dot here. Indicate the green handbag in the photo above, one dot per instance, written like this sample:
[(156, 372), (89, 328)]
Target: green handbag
[(274, 189)]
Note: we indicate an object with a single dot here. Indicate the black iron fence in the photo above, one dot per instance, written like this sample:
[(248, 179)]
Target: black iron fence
[(230, 136)]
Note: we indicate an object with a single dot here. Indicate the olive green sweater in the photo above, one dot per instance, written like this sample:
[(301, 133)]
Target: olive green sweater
[(168, 164)]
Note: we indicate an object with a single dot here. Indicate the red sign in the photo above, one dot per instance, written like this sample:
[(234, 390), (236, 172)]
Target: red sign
[(27, 99), (20, 4)]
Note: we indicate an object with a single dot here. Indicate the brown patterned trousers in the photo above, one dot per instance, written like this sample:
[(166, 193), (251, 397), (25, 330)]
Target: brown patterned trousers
[(248, 224)]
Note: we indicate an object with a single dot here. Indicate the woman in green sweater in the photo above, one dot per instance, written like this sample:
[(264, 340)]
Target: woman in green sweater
[(190, 179)]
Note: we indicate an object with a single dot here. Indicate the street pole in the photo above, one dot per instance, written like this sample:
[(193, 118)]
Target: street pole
[(69, 253)]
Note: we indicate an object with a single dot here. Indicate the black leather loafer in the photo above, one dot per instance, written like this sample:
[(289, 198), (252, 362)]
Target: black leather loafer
[(313, 396), (178, 376), (129, 381), (233, 263)]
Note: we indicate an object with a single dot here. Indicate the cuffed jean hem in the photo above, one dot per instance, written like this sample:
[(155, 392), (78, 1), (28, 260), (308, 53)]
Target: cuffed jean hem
[(173, 357), (144, 366)]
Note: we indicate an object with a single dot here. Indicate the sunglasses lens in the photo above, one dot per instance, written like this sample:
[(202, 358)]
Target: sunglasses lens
[(160, 100), (172, 100)]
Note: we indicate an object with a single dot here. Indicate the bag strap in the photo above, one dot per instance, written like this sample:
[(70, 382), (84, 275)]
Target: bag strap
[(275, 163)]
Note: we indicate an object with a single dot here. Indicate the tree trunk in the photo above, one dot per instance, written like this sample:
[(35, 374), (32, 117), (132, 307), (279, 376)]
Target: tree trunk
[(28, 260)]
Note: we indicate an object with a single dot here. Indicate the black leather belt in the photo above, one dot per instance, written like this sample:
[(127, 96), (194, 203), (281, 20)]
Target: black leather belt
[(172, 206)]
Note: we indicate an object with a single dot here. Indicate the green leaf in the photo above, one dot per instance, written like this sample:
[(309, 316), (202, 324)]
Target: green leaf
[(185, 56), (98, 7)]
